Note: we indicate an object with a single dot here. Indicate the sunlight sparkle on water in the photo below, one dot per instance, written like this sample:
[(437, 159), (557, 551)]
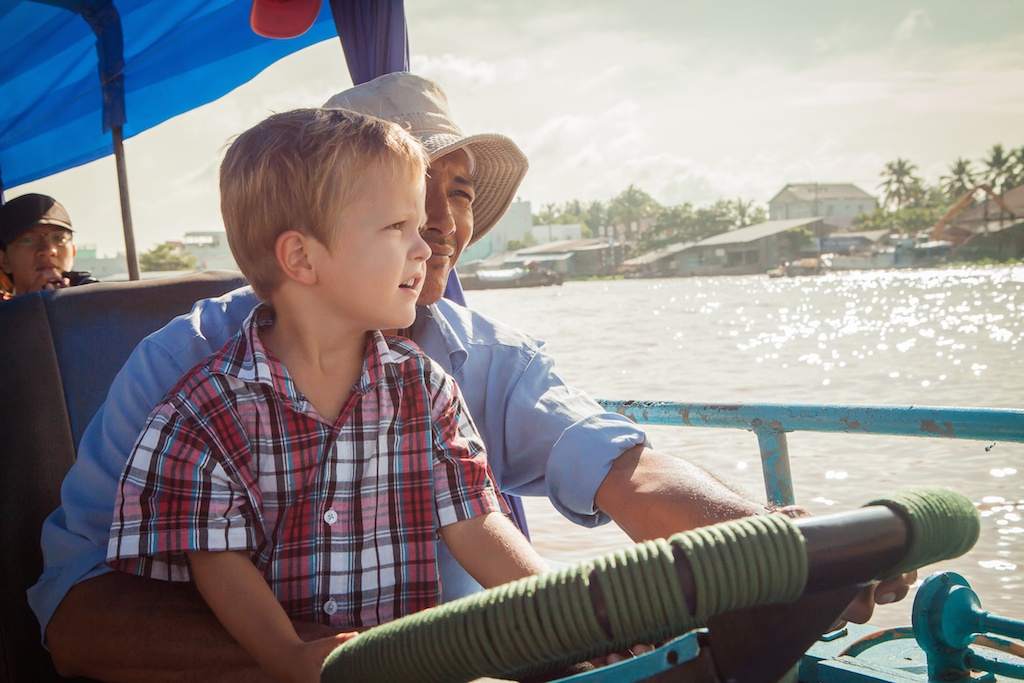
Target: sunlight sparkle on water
[(942, 337)]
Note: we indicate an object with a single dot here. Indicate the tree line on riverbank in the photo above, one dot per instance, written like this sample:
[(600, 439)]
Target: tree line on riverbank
[(909, 204)]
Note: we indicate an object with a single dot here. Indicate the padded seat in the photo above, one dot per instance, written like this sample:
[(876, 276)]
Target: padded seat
[(59, 352)]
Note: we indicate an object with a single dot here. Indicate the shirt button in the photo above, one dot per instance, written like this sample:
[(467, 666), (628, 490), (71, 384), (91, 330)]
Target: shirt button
[(330, 516), (330, 607)]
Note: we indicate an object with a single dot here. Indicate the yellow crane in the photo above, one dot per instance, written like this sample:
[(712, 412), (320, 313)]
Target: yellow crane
[(960, 235)]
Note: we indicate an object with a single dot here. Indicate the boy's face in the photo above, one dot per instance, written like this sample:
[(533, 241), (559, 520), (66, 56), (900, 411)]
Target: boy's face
[(377, 259)]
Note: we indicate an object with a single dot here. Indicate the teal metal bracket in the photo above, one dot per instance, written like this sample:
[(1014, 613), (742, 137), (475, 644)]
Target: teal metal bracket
[(947, 619), (778, 479)]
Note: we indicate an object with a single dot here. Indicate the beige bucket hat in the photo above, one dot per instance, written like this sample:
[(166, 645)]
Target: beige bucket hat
[(421, 107)]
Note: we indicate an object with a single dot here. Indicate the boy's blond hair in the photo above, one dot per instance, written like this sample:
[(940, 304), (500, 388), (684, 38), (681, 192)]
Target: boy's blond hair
[(297, 170)]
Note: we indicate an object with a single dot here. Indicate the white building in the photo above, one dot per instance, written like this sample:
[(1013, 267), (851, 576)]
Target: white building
[(514, 225), (837, 204), (210, 247), (517, 227)]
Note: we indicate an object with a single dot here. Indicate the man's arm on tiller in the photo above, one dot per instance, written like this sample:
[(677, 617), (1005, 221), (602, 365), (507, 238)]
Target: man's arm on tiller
[(654, 495), (650, 494)]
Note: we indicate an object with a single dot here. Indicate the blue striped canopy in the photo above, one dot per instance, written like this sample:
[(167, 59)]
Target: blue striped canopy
[(70, 70)]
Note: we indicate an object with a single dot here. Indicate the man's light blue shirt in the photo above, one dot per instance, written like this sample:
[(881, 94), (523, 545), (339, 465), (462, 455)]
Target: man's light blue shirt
[(543, 438)]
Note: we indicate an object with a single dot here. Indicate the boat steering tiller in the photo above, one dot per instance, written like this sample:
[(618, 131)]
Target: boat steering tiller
[(784, 580)]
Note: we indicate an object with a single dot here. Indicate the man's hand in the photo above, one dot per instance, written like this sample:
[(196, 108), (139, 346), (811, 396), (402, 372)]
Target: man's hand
[(48, 278), (877, 593), (650, 495), (880, 593)]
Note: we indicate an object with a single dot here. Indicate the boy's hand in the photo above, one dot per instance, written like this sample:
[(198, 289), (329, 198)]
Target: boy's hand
[(616, 657), (316, 651)]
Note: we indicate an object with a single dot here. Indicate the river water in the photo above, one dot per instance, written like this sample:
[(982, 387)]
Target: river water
[(944, 337)]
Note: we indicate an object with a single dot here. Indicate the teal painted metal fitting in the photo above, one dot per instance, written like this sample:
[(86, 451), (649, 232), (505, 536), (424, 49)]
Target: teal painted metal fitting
[(947, 619)]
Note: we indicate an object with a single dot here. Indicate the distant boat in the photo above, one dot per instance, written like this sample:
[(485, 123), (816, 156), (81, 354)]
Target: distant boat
[(805, 266), (508, 278), (906, 253)]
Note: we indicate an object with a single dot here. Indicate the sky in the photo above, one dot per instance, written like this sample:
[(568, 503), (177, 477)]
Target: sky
[(689, 101)]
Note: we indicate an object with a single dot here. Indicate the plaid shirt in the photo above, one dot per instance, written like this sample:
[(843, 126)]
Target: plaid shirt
[(340, 518)]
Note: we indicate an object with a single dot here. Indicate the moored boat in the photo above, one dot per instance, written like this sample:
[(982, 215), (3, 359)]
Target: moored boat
[(509, 278)]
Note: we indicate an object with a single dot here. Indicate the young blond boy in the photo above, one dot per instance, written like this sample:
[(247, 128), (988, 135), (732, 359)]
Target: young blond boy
[(306, 469)]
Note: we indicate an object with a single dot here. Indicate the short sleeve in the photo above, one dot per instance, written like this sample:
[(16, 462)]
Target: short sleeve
[(463, 482), (175, 496)]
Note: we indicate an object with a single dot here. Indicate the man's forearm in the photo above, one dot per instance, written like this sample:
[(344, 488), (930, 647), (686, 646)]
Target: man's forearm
[(654, 495), (119, 627)]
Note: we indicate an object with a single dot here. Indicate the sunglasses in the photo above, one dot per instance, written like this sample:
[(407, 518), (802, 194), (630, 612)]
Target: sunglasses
[(36, 240)]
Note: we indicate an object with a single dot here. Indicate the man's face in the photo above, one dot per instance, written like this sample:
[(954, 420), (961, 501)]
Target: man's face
[(38, 255), (449, 220)]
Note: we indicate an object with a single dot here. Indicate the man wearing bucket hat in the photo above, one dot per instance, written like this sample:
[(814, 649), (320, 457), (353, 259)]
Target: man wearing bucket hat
[(543, 437), (37, 245)]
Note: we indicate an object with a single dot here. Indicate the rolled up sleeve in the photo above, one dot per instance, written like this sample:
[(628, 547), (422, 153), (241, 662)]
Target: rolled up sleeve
[(566, 433)]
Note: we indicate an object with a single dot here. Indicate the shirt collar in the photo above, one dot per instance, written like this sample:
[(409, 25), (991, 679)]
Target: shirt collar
[(250, 361), (436, 336)]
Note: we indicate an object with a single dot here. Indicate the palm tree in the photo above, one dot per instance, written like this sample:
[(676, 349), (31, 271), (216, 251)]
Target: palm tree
[(899, 182), (744, 213), (1000, 166), (572, 211), (1016, 175), (548, 215), (714, 219), (596, 216), (960, 181), (630, 206)]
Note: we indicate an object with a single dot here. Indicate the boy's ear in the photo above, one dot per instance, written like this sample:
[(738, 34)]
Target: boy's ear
[(291, 250)]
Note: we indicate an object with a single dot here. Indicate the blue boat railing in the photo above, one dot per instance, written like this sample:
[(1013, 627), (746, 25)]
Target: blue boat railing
[(771, 422), (861, 654)]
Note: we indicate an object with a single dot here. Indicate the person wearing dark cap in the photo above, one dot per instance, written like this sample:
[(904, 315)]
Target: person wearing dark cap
[(37, 242)]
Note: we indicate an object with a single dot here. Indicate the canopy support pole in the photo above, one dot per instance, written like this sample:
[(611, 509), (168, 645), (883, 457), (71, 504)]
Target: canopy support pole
[(126, 209)]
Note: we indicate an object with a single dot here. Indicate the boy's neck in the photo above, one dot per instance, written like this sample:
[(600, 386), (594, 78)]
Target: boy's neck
[(324, 360)]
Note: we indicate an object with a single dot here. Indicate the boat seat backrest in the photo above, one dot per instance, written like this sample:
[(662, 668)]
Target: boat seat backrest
[(59, 352)]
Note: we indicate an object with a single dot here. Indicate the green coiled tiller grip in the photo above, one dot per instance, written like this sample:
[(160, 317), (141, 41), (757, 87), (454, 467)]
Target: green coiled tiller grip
[(636, 595), (941, 524)]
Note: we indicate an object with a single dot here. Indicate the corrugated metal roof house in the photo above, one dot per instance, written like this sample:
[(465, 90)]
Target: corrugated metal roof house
[(574, 258), (754, 249), (836, 203), (659, 262)]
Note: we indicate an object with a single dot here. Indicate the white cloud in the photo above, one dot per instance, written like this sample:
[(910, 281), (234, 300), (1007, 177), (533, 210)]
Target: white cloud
[(452, 70), (912, 24), (837, 40), (687, 103)]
